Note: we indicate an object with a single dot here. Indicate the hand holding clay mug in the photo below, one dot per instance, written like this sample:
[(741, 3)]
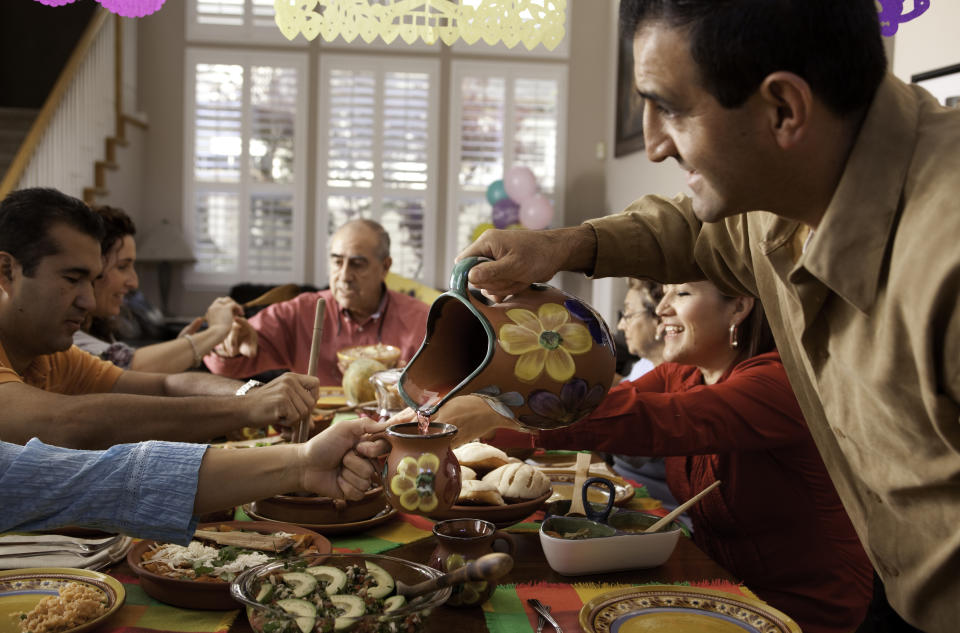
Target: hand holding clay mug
[(421, 475)]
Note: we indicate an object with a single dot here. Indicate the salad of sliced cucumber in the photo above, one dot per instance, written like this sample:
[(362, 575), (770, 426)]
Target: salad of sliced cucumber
[(323, 599)]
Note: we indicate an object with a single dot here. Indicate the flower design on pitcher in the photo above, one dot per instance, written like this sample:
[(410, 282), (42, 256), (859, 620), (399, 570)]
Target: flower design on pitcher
[(596, 325), (576, 400), (546, 340), (413, 483), (465, 593), (501, 403)]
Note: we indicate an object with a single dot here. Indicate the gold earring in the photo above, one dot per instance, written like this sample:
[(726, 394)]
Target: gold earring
[(734, 343)]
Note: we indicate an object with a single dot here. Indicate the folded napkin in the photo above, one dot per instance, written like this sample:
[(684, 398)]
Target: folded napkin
[(18, 551)]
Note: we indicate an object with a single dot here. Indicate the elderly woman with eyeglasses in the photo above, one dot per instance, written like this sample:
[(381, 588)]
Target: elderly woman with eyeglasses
[(638, 321)]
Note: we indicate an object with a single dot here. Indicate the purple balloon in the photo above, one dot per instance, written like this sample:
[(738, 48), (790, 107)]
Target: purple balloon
[(520, 183), (505, 213), (537, 212)]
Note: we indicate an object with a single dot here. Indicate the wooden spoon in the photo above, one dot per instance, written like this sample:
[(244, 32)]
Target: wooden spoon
[(488, 567), (248, 540), (303, 431), (576, 496), (680, 508)]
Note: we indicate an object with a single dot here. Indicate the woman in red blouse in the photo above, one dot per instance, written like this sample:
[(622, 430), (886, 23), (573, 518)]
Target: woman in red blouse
[(720, 407)]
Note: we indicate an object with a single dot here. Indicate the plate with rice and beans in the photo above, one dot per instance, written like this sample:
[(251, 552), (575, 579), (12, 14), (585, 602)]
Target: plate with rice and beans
[(56, 600)]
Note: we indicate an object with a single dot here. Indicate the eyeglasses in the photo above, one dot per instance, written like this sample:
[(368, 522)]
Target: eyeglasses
[(648, 311)]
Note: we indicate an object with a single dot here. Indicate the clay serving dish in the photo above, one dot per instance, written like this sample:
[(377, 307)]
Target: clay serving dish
[(192, 594), (500, 516), (320, 510)]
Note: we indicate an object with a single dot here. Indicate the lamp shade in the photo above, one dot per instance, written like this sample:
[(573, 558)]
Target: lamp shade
[(164, 243)]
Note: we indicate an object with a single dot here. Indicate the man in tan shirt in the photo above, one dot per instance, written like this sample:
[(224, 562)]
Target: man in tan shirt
[(785, 106)]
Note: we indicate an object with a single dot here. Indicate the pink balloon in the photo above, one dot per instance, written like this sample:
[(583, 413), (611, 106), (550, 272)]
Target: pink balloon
[(519, 183), (537, 212)]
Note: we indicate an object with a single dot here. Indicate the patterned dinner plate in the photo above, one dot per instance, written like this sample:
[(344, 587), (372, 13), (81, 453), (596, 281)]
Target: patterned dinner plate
[(679, 609), (22, 589)]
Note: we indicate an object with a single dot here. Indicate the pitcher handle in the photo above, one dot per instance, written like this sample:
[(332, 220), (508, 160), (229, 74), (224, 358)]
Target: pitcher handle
[(458, 278)]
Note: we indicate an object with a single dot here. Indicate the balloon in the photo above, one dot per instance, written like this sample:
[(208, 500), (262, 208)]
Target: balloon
[(537, 212), (478, 231), (516, 226), (519, 183), (505, 213), (496, 192)]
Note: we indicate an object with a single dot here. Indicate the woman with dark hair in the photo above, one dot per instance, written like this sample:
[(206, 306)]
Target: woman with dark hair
[(117, 280), (720, 408)]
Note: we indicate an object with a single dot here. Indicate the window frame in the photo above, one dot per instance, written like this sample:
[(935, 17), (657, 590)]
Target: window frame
[(240, 35), (245, 188), (380, 65)]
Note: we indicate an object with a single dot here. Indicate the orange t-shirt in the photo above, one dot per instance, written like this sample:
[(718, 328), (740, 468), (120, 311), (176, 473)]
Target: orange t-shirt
[(71, 372)]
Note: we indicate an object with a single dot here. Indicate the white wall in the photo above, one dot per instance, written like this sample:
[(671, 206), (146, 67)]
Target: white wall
[(628, 178), (929, 41)]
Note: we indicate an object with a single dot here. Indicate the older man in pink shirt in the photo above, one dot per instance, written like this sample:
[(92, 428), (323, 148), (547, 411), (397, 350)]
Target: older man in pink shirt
[(360, 310)]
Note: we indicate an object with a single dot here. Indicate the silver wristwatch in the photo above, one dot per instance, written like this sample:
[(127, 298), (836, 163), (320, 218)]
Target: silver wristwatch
[(247, 386)]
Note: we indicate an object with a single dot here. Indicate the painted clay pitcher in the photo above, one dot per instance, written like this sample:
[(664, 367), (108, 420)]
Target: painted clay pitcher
[(421, 475), (543, 357), (463, 540)]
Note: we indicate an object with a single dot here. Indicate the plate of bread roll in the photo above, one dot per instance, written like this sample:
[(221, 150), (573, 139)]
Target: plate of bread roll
[(496, 487)]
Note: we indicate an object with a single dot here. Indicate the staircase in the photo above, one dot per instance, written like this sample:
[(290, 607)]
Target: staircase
[(74, 141), (14, 125)]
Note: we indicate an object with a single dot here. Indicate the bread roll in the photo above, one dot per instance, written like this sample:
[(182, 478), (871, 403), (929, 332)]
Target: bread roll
[(480, 456), (467, 473), (518, 481), (476, 492)]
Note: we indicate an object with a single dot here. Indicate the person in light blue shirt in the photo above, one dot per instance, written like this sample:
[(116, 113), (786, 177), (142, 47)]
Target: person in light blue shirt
[(157, 489)]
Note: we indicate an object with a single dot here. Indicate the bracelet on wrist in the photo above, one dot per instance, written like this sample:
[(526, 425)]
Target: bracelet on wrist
[(197, 358), (247, 386)]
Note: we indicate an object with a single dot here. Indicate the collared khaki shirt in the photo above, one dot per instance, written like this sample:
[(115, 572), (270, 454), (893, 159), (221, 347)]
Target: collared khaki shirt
[(867, 321)]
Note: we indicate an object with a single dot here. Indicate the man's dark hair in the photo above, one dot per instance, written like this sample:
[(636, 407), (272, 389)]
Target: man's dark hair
[(835, 45), (116, 226), (26, 217)]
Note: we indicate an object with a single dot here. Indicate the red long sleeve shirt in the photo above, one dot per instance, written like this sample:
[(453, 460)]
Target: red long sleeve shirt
[(776, 522)]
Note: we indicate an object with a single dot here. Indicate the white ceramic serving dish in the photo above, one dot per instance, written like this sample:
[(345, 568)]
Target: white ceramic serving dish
[(608, 548)]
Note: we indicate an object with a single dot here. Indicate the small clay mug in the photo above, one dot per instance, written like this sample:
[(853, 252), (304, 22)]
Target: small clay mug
[(463, 540), (421, 475)]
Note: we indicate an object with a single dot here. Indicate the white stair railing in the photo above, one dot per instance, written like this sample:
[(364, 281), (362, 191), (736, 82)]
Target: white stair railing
[(67, 138)]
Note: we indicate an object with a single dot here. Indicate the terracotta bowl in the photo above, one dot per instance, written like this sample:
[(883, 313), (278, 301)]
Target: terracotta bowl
[(321, 510), (500, 516), (192, 594)]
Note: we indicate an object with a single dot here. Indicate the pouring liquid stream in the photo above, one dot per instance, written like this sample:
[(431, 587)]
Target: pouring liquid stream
[(423, 422)]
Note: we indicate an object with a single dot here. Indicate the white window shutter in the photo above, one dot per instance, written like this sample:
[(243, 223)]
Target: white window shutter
[(378, 147)]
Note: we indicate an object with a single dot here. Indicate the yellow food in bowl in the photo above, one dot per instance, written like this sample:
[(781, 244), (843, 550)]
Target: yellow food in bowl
[(386, 354)]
